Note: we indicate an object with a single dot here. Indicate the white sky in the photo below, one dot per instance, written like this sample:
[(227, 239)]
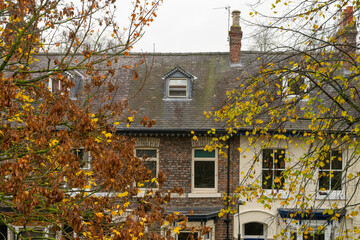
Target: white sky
[(192, 26)]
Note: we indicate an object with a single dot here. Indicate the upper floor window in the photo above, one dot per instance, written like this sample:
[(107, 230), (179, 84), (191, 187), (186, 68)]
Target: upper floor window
[(56, 84), (83, 158), (150, 157), (330, 172), (295, 85), (178, 84), (204, 171), (177, 87), (273, 165)]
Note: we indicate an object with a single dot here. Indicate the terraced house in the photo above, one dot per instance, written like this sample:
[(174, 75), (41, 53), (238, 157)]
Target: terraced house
[(181, 86), (175, 89)]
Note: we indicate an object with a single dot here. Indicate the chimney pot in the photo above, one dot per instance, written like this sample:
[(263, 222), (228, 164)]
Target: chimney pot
[(236, 18)]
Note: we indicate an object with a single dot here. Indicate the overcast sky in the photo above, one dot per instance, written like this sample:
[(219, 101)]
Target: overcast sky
[(192, 26)]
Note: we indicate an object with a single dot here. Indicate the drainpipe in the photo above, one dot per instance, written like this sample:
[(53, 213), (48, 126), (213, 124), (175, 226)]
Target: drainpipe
[(228, 191)]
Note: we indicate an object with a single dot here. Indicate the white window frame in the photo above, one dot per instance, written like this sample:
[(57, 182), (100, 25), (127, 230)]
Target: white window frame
[(186, 88), (45, 229), (195, 224), (271, 190), (285, 84), (150, 159), (204, 190), (50, 85), (330, 193)]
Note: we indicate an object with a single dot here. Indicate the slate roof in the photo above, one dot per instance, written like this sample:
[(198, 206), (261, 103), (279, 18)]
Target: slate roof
[(212, 76)]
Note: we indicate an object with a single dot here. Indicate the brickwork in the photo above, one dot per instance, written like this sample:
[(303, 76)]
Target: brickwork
[(175, 161), (235, 35)]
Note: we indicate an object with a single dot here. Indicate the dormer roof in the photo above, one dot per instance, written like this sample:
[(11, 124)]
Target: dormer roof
[(181, 71)]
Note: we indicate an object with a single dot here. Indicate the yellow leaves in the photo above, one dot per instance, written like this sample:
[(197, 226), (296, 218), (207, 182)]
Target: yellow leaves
[(354, 213), (195, 138), (116, 232), (107, 134), (53, 142), (177, 230), (99, 214), (124, 194)]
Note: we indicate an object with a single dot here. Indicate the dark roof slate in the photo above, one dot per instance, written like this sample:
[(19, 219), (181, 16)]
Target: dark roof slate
[(214, 76)]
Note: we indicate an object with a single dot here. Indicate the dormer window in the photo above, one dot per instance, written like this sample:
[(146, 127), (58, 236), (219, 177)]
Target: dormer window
[(178, 87), (178, 84), (55, 83), (295, 86)]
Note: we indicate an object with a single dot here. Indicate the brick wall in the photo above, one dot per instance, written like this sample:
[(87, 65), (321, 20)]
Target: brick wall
[(175, 161)]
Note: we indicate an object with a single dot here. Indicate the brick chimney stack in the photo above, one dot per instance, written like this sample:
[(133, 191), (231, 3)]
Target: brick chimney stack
[(347, 36), (235, 35)]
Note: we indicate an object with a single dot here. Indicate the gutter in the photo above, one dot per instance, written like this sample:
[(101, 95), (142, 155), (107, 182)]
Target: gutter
[(228, 190)]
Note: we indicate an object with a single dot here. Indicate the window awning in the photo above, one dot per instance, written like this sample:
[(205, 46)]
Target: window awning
[(197, 214), (317, 214)]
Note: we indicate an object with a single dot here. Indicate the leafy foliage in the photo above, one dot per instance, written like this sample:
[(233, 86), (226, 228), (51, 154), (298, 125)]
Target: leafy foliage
[(64, 170), (304, 102)]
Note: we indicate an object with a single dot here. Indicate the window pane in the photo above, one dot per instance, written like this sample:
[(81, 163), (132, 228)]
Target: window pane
[(151, 165), (187, 236), (267, 158), (55, 86), (293, 235), (33, 234), (68, 233), (204, 154), (296, 85), (83, 157), (177, 82), (3, 232), (267, 179), (254, 229), (278, 179), (325, 158), (314, 236), (177, 93), (279, 162), (324, 180), (336, 181), (336, 159), (204, 174), (147, 153)]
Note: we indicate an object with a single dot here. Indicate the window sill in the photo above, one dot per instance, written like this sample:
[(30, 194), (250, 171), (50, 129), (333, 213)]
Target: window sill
[(331, 195), (204, 195), (274, 193), (177, 99), (289, 97)]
